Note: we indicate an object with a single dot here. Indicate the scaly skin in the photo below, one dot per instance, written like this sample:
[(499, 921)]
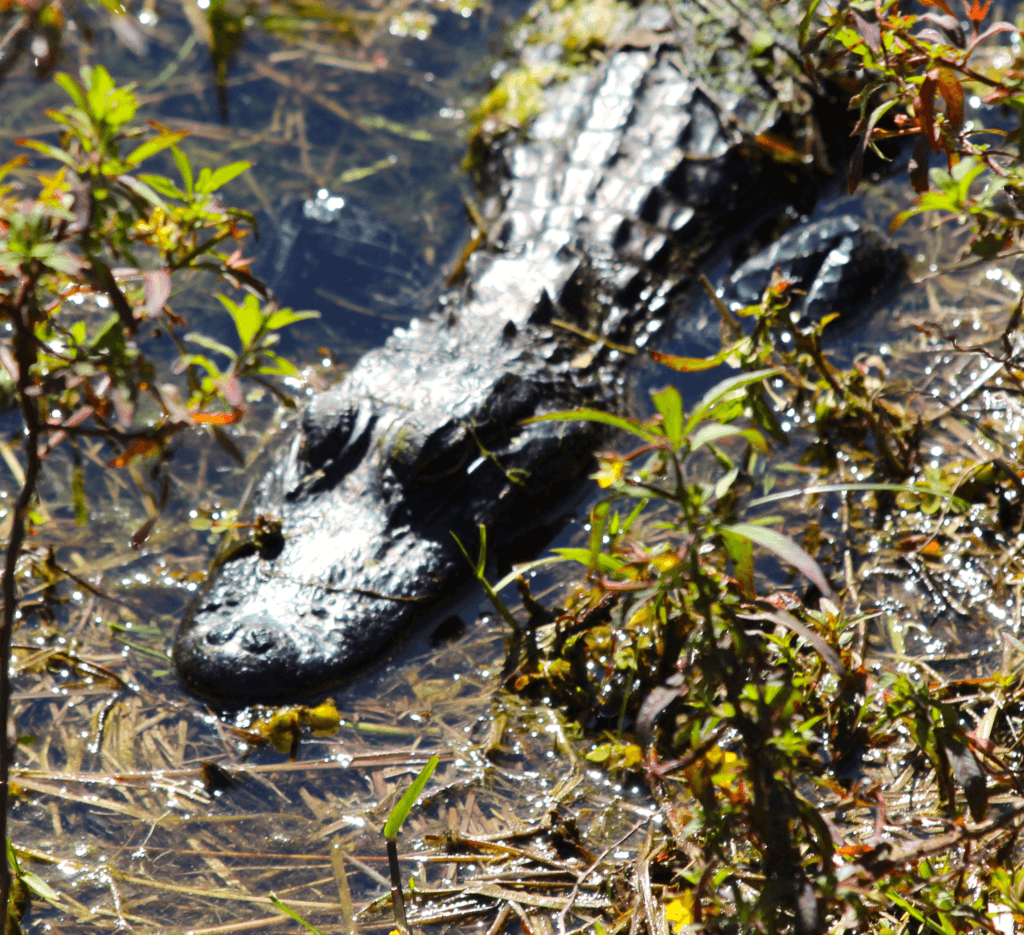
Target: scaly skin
[(632, 175)]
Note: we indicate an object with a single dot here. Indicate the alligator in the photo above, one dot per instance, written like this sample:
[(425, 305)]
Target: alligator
[(634, 175)]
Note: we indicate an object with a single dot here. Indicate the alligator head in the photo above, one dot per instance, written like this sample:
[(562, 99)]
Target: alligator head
[(419, 445)]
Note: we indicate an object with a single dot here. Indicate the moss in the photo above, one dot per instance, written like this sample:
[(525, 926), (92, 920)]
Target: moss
[(578, 30)]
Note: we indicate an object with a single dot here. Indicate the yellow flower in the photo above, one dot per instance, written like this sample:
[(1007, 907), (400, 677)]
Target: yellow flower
[(666, 561), (679, 912), (611, 472)]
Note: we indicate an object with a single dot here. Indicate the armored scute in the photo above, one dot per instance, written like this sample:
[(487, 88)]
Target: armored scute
[(631, 176)]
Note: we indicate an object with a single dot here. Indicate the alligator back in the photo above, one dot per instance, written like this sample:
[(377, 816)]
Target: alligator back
[(631, 176)]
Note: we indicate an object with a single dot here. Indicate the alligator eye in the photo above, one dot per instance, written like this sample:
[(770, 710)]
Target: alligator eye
[(417, 455), (220, 633), (327, 425), (258, 640)]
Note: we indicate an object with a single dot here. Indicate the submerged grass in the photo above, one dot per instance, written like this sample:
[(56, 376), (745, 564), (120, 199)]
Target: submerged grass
[(849, 769)]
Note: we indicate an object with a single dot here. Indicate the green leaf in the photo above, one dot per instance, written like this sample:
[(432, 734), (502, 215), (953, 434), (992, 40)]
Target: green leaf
[(714, 431), (843, 488), (286, 317), (291, 913), (78, 500), (279, 366), (73, 89), (37, 886), (606, 563), (598, 524), (181, 161), (634, 513), (401, 811), (596, 415), (670, 404), (248, 317), (785, 548), (741, 551), (203, 361), (154, 146), (805, 23), (211, 344), (518, 570), (478, 570), (725, 482), (54, 152), (723, 389), (209, 181), (144, 191), (110, 337), (163, 185), (398, 129)]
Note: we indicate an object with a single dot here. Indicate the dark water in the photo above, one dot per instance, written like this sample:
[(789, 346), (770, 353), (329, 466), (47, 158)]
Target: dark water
[(115, 810)]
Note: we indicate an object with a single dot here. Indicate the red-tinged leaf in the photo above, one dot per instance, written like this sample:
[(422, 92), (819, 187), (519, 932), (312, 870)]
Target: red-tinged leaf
[(785, 548), (869, 30), (785, 619), (925, 107), (741, 551), (950, 26), (143, 533), (781, 149), (218, 418), (686, 364), (170, 398), (157, 286), (16, 163), (124, 406), (137, 449), (953, 95), (855, 169), (9, 363), (941, 4), (237, 261), (855, 850), (976, 13), (231, 389), (78, 417), (918, 165), (1001, 26)]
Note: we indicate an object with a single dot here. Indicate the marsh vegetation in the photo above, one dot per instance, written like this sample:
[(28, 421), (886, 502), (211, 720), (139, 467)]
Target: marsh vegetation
[(684, 738)]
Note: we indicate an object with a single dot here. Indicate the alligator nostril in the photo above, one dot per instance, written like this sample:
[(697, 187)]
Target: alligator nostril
[(220, 633), (258, 640)]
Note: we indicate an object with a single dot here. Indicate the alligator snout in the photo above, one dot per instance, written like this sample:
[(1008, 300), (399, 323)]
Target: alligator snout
[(242, 657)]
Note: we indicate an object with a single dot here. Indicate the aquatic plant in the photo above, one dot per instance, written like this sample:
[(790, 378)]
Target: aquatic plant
[(763, 725), (88, 264), (923, 76)]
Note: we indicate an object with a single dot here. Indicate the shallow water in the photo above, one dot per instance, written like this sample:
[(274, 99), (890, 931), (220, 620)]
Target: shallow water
[(118, 808)]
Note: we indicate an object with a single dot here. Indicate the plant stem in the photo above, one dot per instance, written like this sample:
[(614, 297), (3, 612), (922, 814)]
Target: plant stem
[(25, 352), (397, 899)]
